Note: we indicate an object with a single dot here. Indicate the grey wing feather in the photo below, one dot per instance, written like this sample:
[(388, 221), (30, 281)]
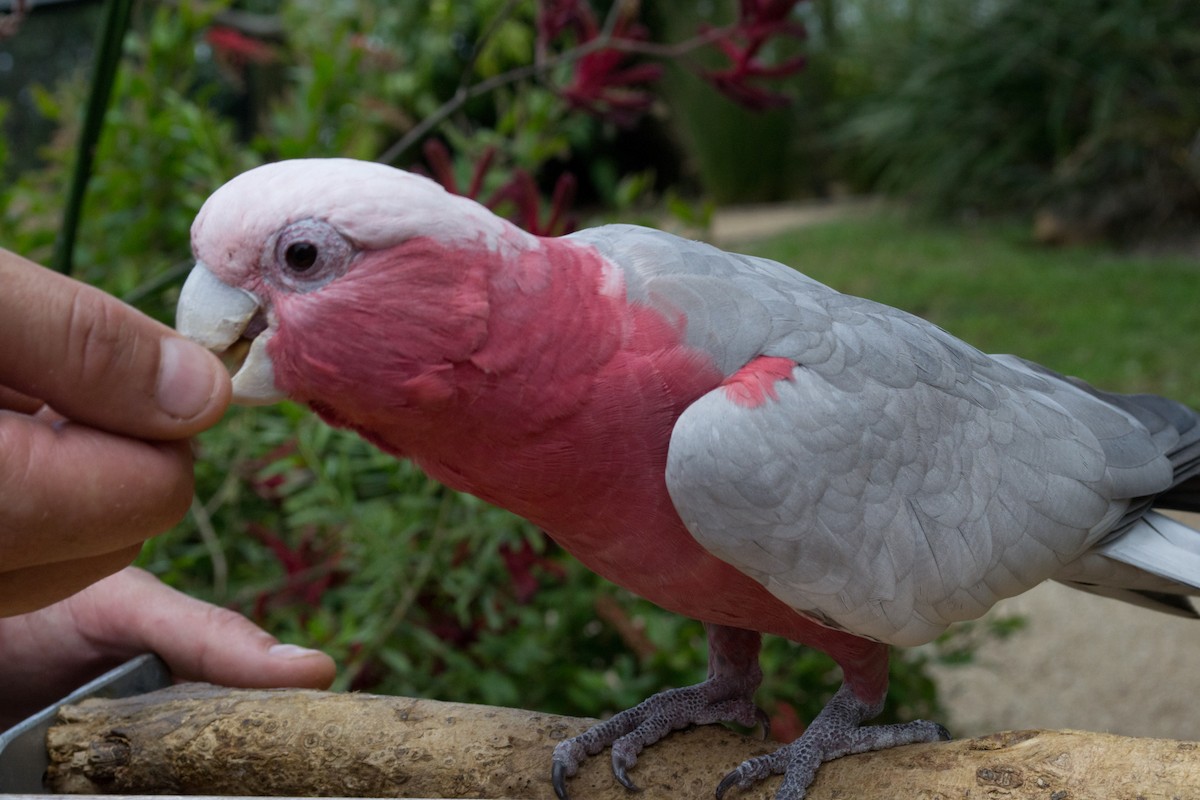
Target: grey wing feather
[(901, 479)]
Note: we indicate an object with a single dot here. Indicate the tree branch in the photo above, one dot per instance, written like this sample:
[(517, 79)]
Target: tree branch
[(196, 738)]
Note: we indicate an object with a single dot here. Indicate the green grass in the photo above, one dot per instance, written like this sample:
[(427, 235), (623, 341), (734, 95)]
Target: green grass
[(1123, 322)]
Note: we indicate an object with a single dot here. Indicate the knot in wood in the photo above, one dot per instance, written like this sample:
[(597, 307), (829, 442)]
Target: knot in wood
[(999, 776), (106, 757)]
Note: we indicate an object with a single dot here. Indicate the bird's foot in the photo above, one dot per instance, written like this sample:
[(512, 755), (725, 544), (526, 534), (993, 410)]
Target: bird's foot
[(834, 733), (718, 699)]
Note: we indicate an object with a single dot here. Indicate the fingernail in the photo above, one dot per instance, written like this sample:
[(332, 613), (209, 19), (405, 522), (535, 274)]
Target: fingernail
[(187, 377), (290, 651)]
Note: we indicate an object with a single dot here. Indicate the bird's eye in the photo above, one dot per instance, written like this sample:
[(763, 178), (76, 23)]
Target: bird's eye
[(307, 254), (301, 256)]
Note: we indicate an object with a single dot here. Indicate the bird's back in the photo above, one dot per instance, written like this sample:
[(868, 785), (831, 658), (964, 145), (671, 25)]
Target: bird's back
[(897, 479)]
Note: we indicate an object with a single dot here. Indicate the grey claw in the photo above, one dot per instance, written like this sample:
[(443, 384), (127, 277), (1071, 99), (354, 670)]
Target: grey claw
[(623, 778), (764, 719), (558, 777), (943, 734), (729, 780)]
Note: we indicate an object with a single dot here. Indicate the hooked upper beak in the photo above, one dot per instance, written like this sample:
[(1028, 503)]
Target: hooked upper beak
[(233, 324)]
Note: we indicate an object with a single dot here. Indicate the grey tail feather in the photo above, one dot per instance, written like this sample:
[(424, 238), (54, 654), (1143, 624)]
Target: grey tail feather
[(1173, 424), (1161, 546), (1149, 541), (1161, 415)]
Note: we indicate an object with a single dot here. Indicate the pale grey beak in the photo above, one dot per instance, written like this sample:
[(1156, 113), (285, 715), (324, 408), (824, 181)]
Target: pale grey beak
[(216, 315)]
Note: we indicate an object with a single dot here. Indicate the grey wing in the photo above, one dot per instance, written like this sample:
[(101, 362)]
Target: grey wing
[(900, 480)]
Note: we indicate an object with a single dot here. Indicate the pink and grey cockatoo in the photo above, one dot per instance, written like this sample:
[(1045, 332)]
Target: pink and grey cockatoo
[(718, 433)]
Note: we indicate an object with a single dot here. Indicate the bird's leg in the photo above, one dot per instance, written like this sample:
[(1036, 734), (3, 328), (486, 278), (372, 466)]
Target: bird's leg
[(836, 731), (726, 696)]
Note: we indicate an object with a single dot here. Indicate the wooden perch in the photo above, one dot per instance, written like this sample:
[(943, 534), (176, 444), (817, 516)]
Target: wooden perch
[(201, 739)]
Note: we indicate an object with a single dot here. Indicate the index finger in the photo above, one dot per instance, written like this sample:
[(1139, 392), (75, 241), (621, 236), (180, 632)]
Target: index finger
[(99, 361)]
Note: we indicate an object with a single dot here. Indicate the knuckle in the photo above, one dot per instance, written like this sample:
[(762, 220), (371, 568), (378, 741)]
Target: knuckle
[(100, 342), (221, 626), (219, 618)]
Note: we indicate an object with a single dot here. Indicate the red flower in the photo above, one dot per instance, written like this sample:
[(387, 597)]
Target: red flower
[(604, 87), (438, 157), (556, 17), (519, 192), (602, 82), (758, 22), (239, 48), (311, 567), (520, 563)]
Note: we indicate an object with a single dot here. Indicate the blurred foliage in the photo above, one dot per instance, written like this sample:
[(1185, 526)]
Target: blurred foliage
[(163, 150), (1086, 108)]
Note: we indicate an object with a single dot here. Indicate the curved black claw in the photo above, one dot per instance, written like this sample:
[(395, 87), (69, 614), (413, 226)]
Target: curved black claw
[(764, 722), (623, 778), (558, 777), (726, 783)]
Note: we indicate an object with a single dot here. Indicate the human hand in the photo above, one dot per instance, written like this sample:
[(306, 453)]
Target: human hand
[(49, 652), (96, 404)]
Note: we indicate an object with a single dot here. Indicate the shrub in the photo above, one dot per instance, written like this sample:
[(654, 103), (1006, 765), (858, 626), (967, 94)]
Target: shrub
[(1086, 107)]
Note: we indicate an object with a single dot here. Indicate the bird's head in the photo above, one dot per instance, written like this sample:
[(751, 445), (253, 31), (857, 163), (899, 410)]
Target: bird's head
[(299, 262)]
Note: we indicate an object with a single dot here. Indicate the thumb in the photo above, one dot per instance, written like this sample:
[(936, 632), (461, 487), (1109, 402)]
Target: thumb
[(203, 642), (101, 362)]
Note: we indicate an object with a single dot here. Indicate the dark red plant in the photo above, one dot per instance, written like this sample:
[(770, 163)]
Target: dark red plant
[(602, 85), (521, 193), (237, 48), (311, 568), (759, 21), (604, 82), (437, 155), (268, 486), (523, 563), (518, 195), (556, 17)]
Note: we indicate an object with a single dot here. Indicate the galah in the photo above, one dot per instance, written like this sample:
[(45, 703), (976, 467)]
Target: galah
[(718, 433)]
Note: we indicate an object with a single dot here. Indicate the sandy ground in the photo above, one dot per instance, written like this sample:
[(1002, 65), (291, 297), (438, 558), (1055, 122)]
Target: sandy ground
[(1081, 662)]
